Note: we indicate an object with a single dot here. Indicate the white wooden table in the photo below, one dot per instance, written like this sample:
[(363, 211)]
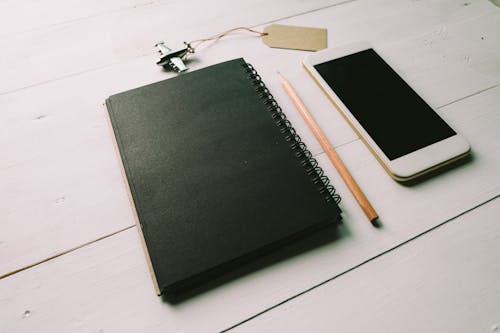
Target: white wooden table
[(70, 257)]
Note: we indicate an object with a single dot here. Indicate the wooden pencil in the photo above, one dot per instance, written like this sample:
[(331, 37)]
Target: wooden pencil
[(360, 197)]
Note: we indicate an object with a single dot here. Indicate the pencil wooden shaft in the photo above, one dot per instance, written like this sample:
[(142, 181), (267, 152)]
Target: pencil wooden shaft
[(369, 211)]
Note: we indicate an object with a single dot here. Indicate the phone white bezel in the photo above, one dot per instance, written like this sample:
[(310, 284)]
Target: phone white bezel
[(406, 167)]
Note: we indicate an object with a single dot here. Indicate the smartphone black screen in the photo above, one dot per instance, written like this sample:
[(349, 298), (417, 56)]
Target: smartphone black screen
[(392, 113)]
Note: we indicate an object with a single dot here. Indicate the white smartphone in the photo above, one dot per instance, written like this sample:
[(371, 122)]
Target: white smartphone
[(403, 132)]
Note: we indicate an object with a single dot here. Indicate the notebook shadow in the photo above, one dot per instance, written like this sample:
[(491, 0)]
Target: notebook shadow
[(314, 240)]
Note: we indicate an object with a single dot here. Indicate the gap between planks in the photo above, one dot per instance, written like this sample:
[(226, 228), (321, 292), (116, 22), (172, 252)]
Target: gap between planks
[(57, 255), (470, 95)]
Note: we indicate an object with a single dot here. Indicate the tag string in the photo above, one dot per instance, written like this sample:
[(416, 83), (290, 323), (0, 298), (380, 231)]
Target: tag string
[(193, 45)]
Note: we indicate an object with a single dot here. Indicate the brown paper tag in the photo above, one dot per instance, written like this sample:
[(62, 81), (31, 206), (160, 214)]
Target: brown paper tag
[(296, 38)]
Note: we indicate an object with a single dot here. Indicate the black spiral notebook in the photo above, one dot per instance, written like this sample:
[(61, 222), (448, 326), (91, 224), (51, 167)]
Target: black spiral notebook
[(216, 172)]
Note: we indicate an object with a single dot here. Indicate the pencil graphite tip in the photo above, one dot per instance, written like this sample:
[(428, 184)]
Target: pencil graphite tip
[(376, 222)]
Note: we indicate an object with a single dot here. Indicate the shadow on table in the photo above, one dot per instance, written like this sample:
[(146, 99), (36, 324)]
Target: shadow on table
[(259, 261)]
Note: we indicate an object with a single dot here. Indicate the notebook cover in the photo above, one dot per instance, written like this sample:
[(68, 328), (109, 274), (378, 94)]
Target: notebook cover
[(215, 172)]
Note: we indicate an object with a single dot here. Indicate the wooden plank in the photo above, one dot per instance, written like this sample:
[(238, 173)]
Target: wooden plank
[(107, 284), (444, 281)]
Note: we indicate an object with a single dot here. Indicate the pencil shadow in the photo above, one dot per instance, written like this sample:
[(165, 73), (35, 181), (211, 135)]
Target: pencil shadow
[(301, 245)]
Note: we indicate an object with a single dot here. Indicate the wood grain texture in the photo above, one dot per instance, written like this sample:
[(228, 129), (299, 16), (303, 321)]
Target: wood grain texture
[(61, 185)]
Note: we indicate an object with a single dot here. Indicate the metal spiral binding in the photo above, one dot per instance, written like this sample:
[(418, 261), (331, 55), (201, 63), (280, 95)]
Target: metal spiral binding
[(299, 148)]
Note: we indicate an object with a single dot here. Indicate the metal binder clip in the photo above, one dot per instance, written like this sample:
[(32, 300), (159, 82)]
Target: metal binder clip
[(173, 60)]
